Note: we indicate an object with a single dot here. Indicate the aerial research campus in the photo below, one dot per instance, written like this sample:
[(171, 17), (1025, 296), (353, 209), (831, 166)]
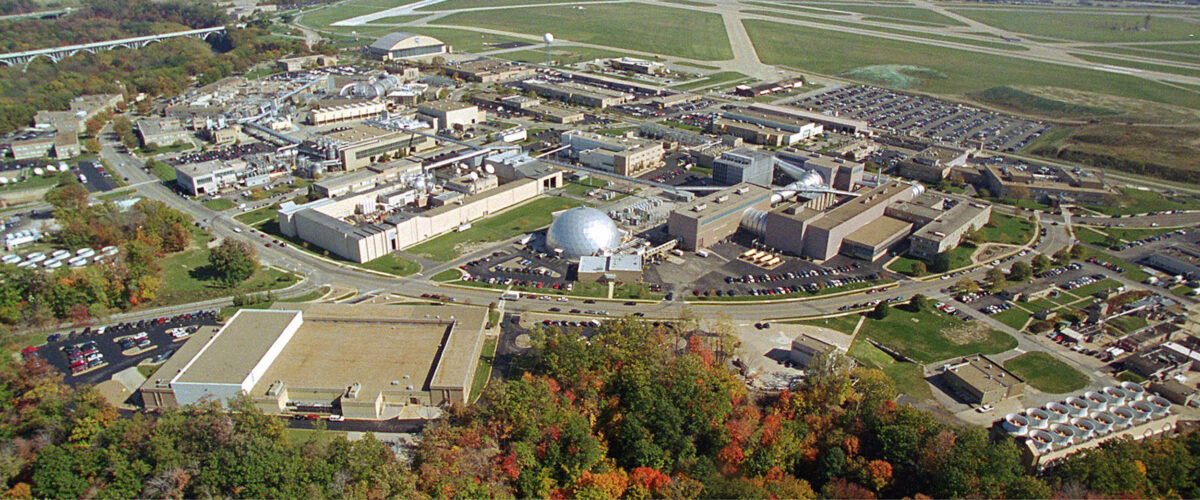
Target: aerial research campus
[(427, 206)]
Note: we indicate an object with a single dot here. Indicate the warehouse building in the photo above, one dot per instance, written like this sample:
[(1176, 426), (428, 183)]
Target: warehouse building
[(362, 361), (824, 234), (346, 112), (933, 164), (810, 347), (1176, 260), (359, 144), (1024, 183), (799, 129), (397, 46), (489, 70), (942, 225), (740, 165), (621, 155), (638, 66), (450, 114), (710, 219), (161, 131), (621, 268), (211, 177), (982, 381), (577, 93), (364, 179), (829, 123), (529, 106)]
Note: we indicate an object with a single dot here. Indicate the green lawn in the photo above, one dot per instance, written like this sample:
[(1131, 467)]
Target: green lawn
[(500, 227), (219, 204), (31, 181), (1015, 317), (164, 172), (959, 257), (1083, 26), (1045, 373), (1129, 323), (690, 2), (908, 377), (844, 324), (321, 19), (447, 275), (1165, 68), (713, 79), (931, 336), (1008, 229), (923, 35), (1139, 201), (483, 372), (561, 55), (646, 28), (170, 148), (186, 278), (581, 188), (938, 69), (1013, 99), (392, 264), (1088, 290), (259, 216)]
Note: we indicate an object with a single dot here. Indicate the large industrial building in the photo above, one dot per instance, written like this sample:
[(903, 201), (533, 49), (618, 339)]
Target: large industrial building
[(710, 219), (397, 46), (1176, 260), (830, 123), (740, 165), (366, 225), (942, 223), (450, 114), (583, 231), (361, 361), (161, 131), (346, 112), (213, 176), (360, 144), (766, 128), (981, 380), (489, 70), (1045, 183), (577, 93), (620, 155)]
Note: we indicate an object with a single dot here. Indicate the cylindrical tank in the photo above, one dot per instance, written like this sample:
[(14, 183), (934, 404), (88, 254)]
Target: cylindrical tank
[(1141, 410), (754, 221), (1042, 440), (58, 254), (1116, 396), (1016, 424), (1077, 405), (1084, 428), (1136, 391), (1158, 404), (1096, 401), (1104, 422), (35, 258), (1038, 418), (1058, 412), (1124, 417), (1064, 434)]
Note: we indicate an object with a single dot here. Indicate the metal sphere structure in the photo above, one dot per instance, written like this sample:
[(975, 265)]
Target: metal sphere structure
[(583, 231), (548, 38)]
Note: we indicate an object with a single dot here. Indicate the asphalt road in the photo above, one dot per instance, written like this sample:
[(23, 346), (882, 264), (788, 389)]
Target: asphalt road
[(96, 182)]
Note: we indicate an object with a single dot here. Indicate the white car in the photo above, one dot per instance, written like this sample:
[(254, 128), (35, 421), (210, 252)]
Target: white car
[(237, 229), (336, 418), (984, 409)]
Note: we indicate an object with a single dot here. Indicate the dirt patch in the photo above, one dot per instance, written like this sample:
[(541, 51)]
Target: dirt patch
[(1132, 110), (966, 333)]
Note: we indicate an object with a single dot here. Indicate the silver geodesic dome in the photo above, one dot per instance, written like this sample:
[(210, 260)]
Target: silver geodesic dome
[(583, 231)]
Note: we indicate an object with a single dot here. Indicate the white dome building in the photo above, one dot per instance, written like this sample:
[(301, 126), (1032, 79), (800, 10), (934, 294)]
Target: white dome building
[(583, 231)]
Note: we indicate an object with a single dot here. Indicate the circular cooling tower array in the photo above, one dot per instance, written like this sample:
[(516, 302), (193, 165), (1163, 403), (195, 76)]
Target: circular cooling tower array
[(1059, 412), (1077, 407), (1038, 418), (1016, 424), (1136, 392), (1096, 401)]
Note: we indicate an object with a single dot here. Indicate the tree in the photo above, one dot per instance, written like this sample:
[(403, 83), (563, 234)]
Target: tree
[(1062, 257), (880, 311), (1078, 252), (918, 303), (919, 268), (940, 263), (1020, 272), (967, 285), (233, 261), (995, 279), (1040, 263), (92, 145)]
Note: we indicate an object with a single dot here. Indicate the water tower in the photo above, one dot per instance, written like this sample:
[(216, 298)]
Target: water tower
[(549, 39)]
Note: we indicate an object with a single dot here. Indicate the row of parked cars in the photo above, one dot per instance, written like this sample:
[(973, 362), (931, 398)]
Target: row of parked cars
[(1058, 270), (870, 304), (1081, 282), (83, 356), (1149, 239)]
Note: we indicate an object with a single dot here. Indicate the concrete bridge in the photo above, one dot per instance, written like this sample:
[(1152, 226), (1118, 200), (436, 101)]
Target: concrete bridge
[(56, 54)]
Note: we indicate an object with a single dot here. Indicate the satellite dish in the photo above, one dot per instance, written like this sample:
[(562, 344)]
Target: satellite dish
[(548, 37)]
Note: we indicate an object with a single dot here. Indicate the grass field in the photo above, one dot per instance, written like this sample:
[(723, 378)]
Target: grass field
[(713, 79), (1015, 317), (258, 216), (581, 188), (463, 40), (186, 278), (472, 4), (1083, 26), (1024, 102), (1159, 52), (1164, 68), (1045, 373), (833, 53), (908, 377), (396, 19), (897, 31), (690, 2), (915, 15), (447, 275), (1140, 201), (1129, 323), (164, 172), (640, 27), (1008, 229), (219, 204), (392, 264), (483, 371), (931, 336), (321, 19), (959, 257), (561, 55), (510, 223)]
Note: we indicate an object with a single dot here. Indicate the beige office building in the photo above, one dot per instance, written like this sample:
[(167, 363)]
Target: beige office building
[(708, 220), (362, 361)]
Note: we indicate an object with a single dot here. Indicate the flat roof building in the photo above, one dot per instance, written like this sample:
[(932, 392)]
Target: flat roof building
[(577, 93), (451, 114), (1176, 260), (874, 239), (365, 178), (638, 66), (808, 347), (396, 46), (211, 177), (161, 131), (941, 227), (739, 165), (1023, 183), (360, 144), (621, 155), (831, 123), (489, 70), (933, 164), (362, 361), (708, 220), (346, 112), (824, 235), (622, 268), (981, 380)]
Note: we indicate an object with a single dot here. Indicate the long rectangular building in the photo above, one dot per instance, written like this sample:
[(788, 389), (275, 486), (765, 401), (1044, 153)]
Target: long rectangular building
[(362, 361), (831, 123), (708, 220)]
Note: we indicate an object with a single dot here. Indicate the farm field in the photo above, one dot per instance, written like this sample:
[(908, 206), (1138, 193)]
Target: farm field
[(640, 27)]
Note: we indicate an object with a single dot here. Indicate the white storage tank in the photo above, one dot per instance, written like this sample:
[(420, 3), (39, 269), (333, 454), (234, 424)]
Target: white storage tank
[(1077, 406), (110, 250), (77, 261), (1136, 391), (1124, 417), (58, 254), (1038, 418), (35, 258), (1058, 412), (55, 264), (85, 252), (1096, 401), (50, 262), (11, 259), (1016, 424), (1141, 410)]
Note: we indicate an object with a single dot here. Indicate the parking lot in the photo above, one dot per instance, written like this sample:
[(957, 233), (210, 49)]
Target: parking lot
[(926, 117), (95, 178), (100, 347), (225, 153)]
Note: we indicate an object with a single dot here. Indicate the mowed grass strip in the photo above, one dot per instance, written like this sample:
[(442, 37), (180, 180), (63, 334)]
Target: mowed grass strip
[(931, 336), (1045, 373), (476, 4), (513, 222), (465, 40), (647, 28), (832, 52), (1084, 26)]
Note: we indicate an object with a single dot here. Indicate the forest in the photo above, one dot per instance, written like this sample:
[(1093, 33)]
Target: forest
[(635, 412)]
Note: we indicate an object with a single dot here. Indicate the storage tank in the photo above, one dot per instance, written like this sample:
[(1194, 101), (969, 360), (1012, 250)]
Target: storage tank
[(1058, 412), (54, 264), (1084, 428), (1042, 440), (1124, 417), (1104, 422), (1096, 401), (50, 262), (1077, 406), (1136, 391), (1158, 405), (58, 254), (1038, 418), (11, 259), (1116, 396), (85, 252), (1141, 410), (35, 258), (1016, 424), (110, 250), (1064, 434)]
